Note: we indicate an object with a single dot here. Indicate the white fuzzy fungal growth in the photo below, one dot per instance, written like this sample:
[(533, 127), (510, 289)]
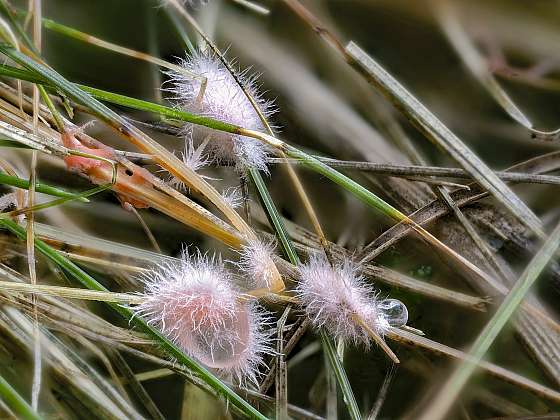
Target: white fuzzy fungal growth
[(223, 99), (338, 299), (194, 158), (195, 305), (233, 197), (255, 261)]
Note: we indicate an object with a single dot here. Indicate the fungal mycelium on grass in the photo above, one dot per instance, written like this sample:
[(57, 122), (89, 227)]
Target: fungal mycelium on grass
[(269, 229)]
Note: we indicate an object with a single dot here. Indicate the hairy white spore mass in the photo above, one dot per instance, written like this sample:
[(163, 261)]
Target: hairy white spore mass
[(223, 99), (195, 305), (233, 197), (194, 158), (335, 298), (255, 262)]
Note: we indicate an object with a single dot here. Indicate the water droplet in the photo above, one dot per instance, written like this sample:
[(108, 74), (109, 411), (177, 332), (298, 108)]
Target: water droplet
[(394, 312)]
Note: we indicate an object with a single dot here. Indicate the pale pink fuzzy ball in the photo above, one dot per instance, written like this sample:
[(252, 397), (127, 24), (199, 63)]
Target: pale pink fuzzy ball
[(255, 262), (195, 305), (333, 297), (223, 100)]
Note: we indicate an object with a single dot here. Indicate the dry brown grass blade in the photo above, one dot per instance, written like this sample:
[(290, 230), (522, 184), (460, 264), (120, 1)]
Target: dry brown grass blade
[(477, 65), (436, 131), (178, 206), (414, 340), (54, 309), (135, 385), (281, 381), (434, 210), (455, 383), (30, 217), (69, 292), (396, 279), (68, 367), (405, 171)]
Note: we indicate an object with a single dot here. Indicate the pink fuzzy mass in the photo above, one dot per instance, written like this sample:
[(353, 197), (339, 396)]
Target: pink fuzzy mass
[(334, 297), (194, 304)]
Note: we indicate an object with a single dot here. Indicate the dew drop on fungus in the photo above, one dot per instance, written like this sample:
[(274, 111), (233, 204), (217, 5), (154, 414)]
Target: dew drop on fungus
[(394, 312)]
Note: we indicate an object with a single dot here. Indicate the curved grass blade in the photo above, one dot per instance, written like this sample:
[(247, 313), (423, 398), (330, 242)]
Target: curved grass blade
[(453, 386), (476, 64), (16, 402), (436, 131), (170, 348), (17, 182)]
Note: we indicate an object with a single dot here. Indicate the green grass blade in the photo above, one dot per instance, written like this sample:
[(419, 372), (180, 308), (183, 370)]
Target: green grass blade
[(453, 386), (348, 184), (179, 28), (341, 377), (88, 281), (328, 345), (31, 75), (273, 216), (16, 403), (436, 131), (5, 9), (14, 181)]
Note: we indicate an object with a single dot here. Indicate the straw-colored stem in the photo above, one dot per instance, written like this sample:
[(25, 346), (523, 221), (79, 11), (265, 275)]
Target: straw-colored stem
[(377, 338), (101, 43), (70, 292), (30, 239)]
